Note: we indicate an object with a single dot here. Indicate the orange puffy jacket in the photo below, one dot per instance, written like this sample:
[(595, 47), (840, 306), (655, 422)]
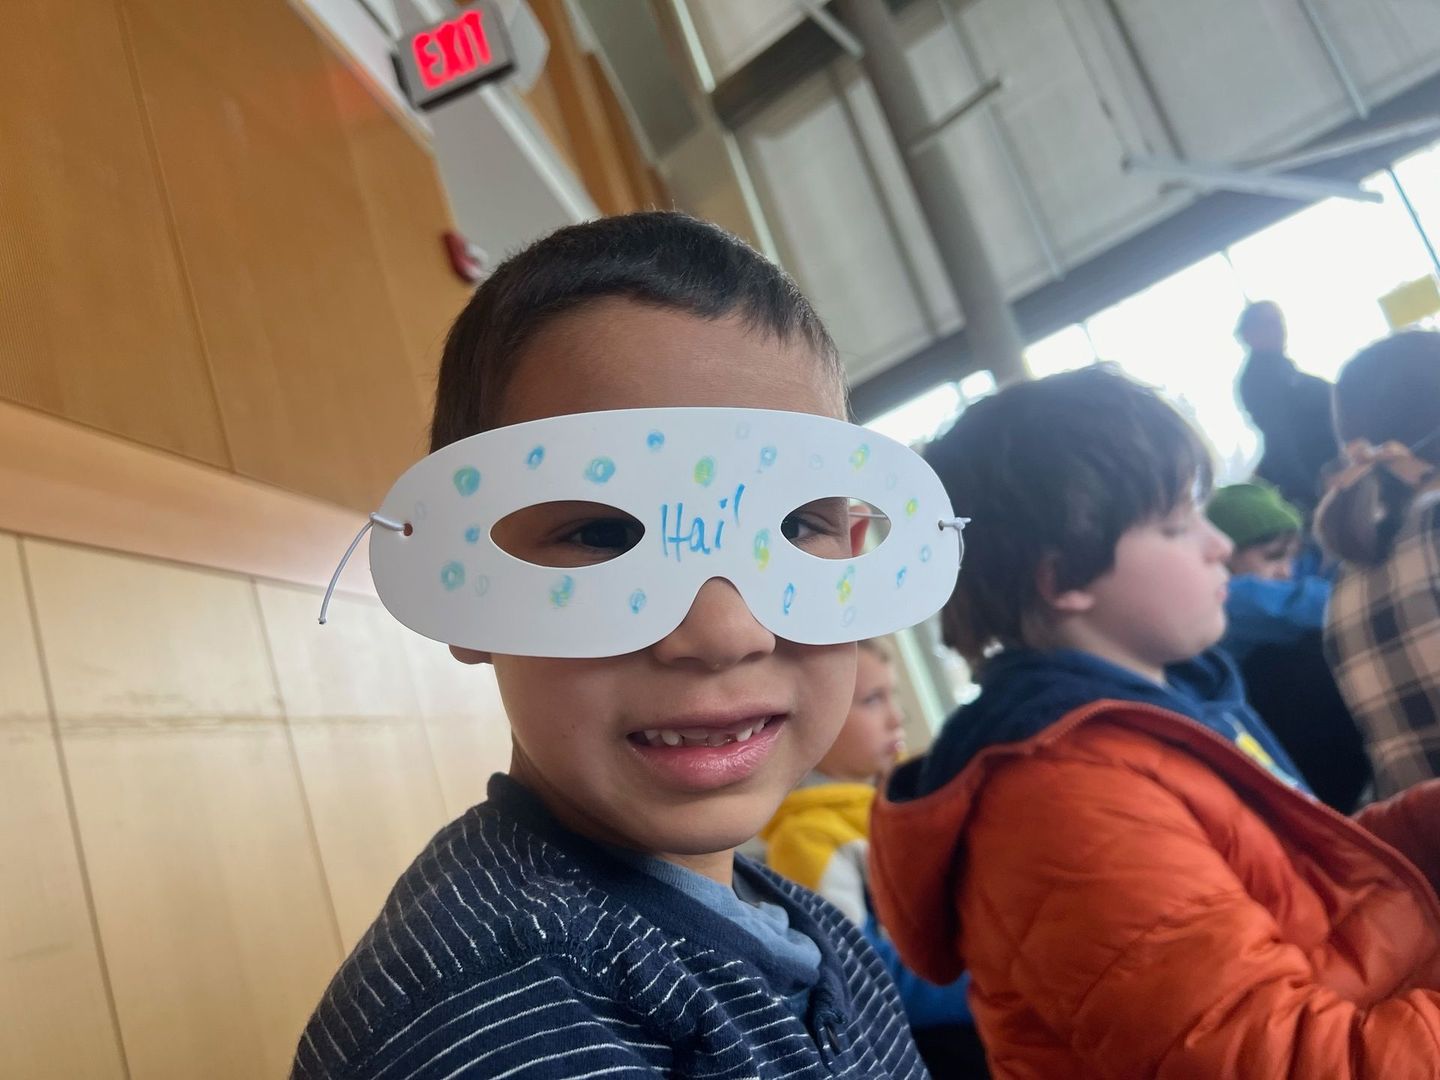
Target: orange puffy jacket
[(1135, 897)]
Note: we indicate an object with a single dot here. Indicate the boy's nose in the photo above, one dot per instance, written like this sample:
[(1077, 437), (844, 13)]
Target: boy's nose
[(718, 632), (1220, 547)]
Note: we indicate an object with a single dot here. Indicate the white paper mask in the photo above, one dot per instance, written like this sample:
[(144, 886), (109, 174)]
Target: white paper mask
[(711, 488)]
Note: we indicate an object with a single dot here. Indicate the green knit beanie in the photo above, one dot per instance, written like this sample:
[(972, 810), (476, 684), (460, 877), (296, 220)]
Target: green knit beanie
[(1249, 513)]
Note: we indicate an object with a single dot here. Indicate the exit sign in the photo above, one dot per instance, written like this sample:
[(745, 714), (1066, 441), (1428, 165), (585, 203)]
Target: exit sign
[(454, 55)]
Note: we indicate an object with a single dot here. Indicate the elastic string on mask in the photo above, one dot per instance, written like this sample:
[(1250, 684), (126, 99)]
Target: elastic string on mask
[(375, 519)]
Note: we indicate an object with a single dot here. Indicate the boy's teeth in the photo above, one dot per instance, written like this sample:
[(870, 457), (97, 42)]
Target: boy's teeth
[(701, 736)]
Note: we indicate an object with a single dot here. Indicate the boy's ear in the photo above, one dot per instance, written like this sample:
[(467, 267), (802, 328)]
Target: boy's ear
[(859, 528), (469, 656), (1066, 601)]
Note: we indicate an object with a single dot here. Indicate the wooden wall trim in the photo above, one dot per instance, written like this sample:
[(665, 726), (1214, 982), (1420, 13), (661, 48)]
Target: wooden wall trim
[(68, 482)]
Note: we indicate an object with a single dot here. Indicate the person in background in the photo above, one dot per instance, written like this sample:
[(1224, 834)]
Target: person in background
[(1382, 518), (1274, 620), (820, 838), (1290, 408), (1107, 838), (1266, 603)]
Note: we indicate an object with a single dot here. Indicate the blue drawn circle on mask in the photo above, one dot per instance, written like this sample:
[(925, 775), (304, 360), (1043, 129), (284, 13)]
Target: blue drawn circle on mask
[(637, 601), (482, 585), (452, 576), (762, 549), (767, 456), (860, 456), (847, 617), (655, 440), (600, 470), (789, 598), (472, 534), (467, 480), (562, 591), (900, 576), (535, 457), (925, 553)]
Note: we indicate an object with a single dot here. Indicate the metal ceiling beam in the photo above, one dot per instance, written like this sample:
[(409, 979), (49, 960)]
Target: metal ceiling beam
[(882, 200), (803, 51), (1337, 60), (1327, 151), (1005, 144), (937, 189), (815, 11), (1138, 90), (971, 102), (1212, 177)]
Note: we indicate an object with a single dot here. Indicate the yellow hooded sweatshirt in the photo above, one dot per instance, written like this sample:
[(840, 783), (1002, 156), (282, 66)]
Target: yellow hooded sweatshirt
[(820, 837)]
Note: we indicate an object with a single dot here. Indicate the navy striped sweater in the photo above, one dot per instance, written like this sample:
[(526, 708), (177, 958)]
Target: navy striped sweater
[(513, 948)]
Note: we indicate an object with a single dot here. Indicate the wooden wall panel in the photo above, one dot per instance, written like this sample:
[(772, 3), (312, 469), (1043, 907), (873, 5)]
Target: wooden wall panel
[(408, 213), (362, 748), (308, 357), (213, 913), (95, 322), (57, 1020), (91, 488), (465, 719)]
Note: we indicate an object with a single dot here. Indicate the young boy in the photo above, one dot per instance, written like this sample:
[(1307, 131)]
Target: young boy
[(1266, 603), (1107, 837), (1274, 631), (820, 838), (590, 919)]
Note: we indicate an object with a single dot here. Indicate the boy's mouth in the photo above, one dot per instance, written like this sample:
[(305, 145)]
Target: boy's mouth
[(716, 735), (705, 754)]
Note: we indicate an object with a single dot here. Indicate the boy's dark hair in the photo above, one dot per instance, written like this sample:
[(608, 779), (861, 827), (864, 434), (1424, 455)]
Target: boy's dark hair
[(663, 258), (1055, 470)]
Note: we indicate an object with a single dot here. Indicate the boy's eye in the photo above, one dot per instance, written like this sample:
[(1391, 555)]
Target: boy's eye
[(796, 528), (1180, 521), (821, 528), (614, 536), (567, 533)]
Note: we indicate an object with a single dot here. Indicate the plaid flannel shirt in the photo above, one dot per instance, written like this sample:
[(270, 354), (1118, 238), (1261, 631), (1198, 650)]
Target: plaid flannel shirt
[(1382, 638)]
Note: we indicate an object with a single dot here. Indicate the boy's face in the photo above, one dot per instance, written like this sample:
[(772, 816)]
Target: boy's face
[(580, 726), (872, 739), (1164, 599), (1272, 559)]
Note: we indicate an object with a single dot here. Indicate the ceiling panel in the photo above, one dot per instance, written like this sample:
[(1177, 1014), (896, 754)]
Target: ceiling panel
[(831, 232), (1236, 77), (1388, 44)]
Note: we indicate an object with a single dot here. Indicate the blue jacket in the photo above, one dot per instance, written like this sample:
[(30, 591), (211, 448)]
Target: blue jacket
[(1263, 612), (514, 948)]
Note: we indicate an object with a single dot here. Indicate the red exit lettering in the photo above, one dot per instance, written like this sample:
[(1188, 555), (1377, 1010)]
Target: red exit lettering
[(450, 50)]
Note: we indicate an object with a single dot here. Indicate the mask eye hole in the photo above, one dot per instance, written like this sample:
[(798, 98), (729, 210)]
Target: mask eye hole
[(567, 534), (837, 527)]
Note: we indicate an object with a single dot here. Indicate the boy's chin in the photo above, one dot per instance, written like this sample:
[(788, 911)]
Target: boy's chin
[(706, 828)]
